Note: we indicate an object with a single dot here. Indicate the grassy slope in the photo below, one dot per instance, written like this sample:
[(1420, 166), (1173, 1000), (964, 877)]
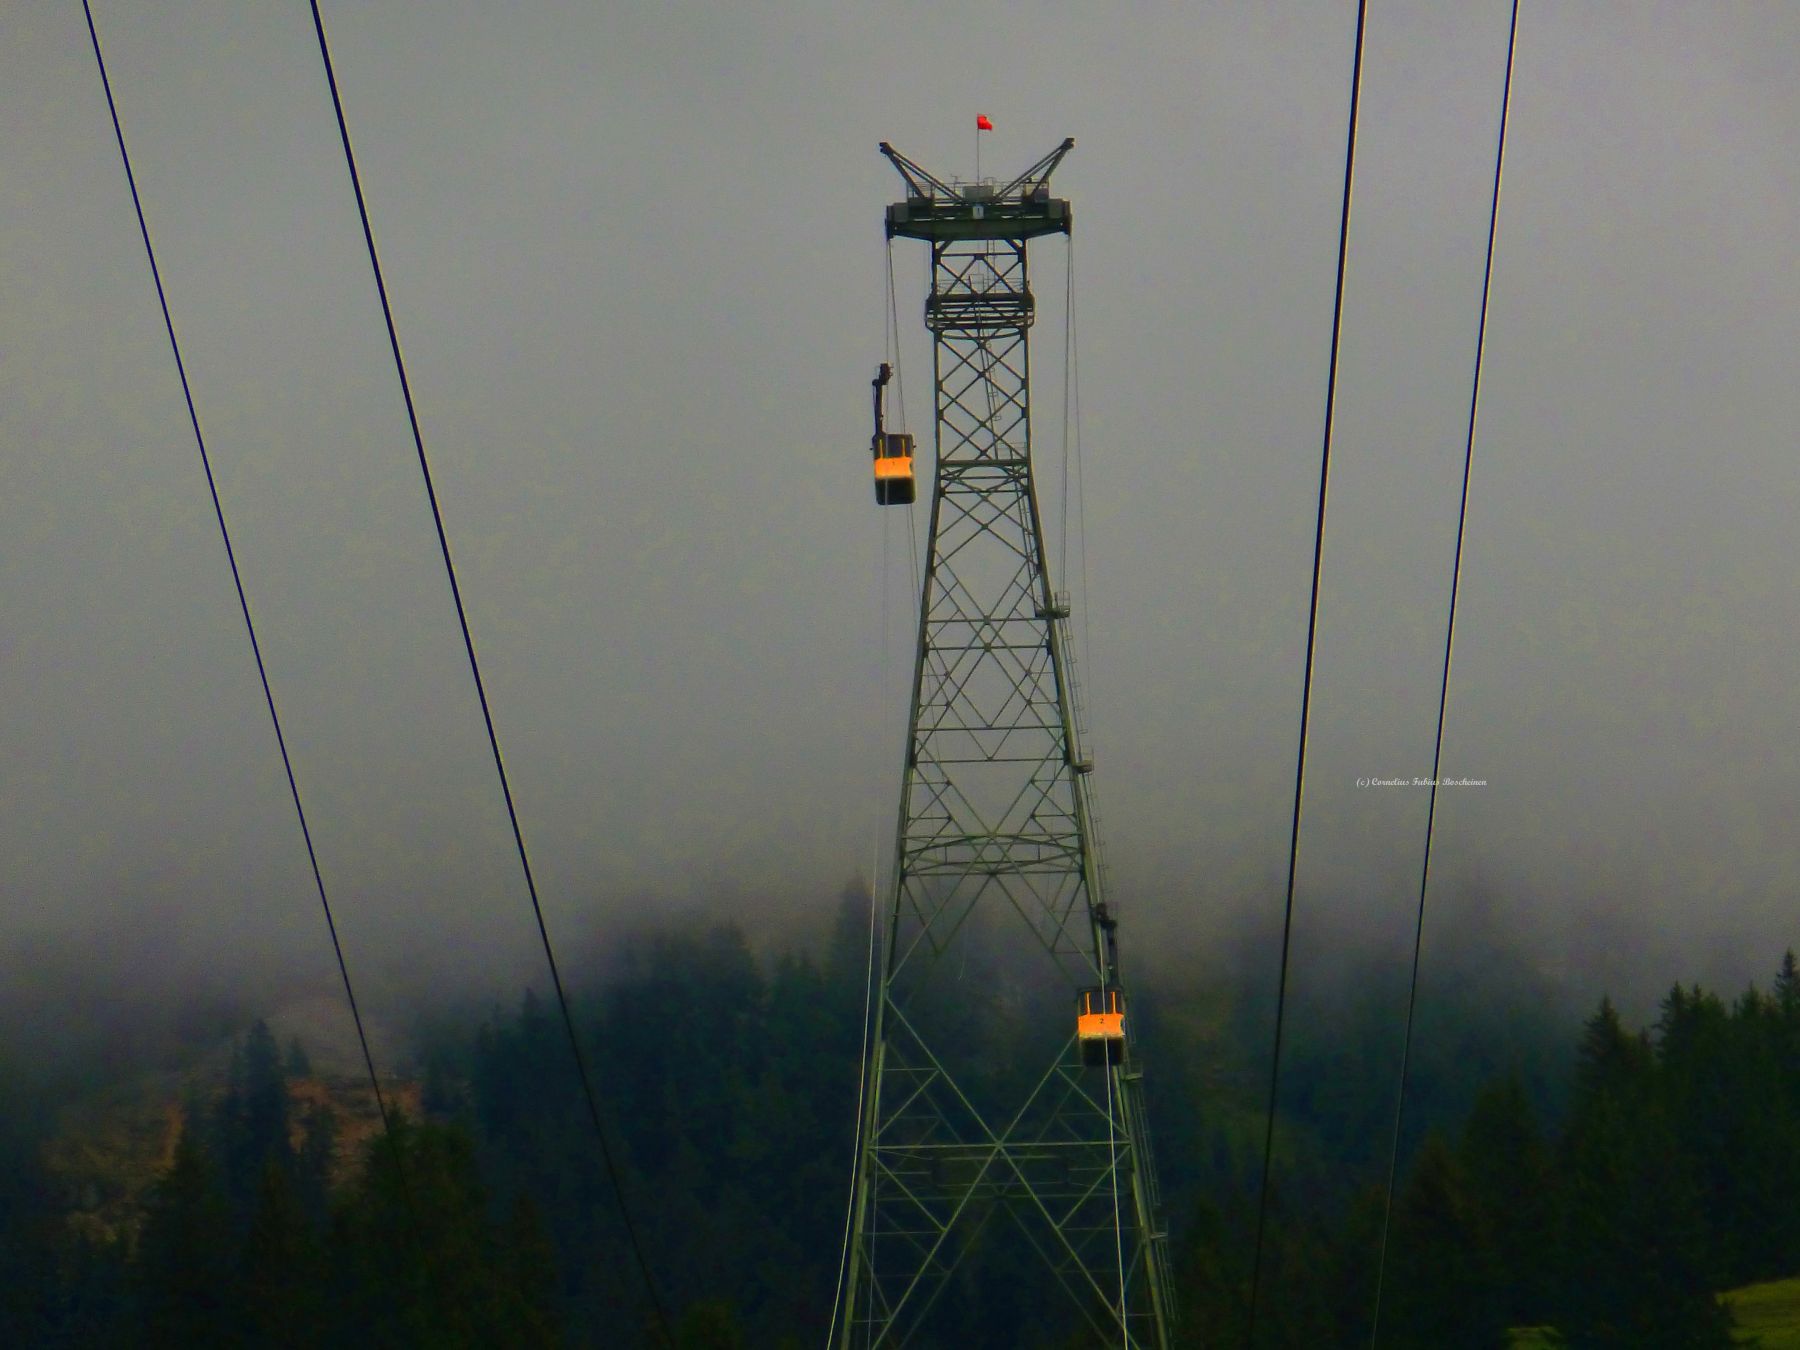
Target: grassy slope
[(1769, 1313), (1768, 1316)]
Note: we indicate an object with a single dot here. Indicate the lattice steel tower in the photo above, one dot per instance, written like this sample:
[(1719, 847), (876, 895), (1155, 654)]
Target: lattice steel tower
[(1000, 1169)]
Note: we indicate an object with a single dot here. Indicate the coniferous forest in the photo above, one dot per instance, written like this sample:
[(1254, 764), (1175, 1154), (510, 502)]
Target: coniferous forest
[(1588, 1175)]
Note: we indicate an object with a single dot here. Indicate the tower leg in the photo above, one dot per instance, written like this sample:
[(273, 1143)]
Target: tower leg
[(971, 1151)]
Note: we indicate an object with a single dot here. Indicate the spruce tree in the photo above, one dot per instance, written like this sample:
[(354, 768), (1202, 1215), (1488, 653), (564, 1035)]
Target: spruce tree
[(1635, 1254), (1442, 1287), (314, 1165), (1787, 990), (712, 1325), (297, 1064), (1511, 1183), (1213, 1277), (280, 1270), (250, 1122), (1784, 1237), (419, 1258), (183, 1271)]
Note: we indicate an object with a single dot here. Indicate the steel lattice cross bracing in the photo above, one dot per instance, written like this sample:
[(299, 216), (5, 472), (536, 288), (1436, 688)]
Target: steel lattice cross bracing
[(970, 1152)]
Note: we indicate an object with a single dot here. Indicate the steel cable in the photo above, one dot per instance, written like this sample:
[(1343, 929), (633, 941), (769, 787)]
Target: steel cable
[(262, 672), (1312, 625), (889, 325), (1437, 751), (462, 618)]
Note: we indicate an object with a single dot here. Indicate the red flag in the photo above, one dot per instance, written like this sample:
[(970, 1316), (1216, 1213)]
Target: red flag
[(982, 123)]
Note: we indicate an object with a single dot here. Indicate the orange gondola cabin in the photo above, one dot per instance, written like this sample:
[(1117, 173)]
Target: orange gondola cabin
[(1100, 1025), (893, 452), (894, 484)]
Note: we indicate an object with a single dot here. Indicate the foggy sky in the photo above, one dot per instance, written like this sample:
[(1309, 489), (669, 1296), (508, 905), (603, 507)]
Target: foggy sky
[(636, 258)]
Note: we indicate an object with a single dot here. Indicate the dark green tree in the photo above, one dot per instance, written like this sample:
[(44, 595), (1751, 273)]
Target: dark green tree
[(183, 1272), (1787, 990), (250, 1121), (1782, 1028), (528, 1277), (712, 1325), (1212, 1275), (297, 1064), (1511, 1180), (314, 1166), (1635, 1252), (281, 1270), (1443, 1284), (418, 1259)]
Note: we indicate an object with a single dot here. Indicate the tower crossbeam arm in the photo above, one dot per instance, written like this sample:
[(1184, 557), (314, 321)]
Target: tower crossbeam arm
[(1038, 175), (920, 182), (938, 210)]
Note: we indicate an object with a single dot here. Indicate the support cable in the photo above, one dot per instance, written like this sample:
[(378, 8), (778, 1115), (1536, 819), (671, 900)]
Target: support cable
[(462, 618), (262, 672), (1062, 537), (1112, 1159), (862, 1070), (1437, 751), (893, 319), (892, 338), (1312, 626), (1072, 419), (1074, 384)]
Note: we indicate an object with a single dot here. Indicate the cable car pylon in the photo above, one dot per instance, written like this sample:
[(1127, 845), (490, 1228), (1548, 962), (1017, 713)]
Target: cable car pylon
[(981, 1155)]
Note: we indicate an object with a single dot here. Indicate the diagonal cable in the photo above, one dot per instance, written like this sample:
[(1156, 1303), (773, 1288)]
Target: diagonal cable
[(1312, 627), (462, 618), (1437, 751), (237, 580)]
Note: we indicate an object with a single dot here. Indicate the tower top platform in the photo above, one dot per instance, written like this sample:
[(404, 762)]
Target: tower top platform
[(936, 210)]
